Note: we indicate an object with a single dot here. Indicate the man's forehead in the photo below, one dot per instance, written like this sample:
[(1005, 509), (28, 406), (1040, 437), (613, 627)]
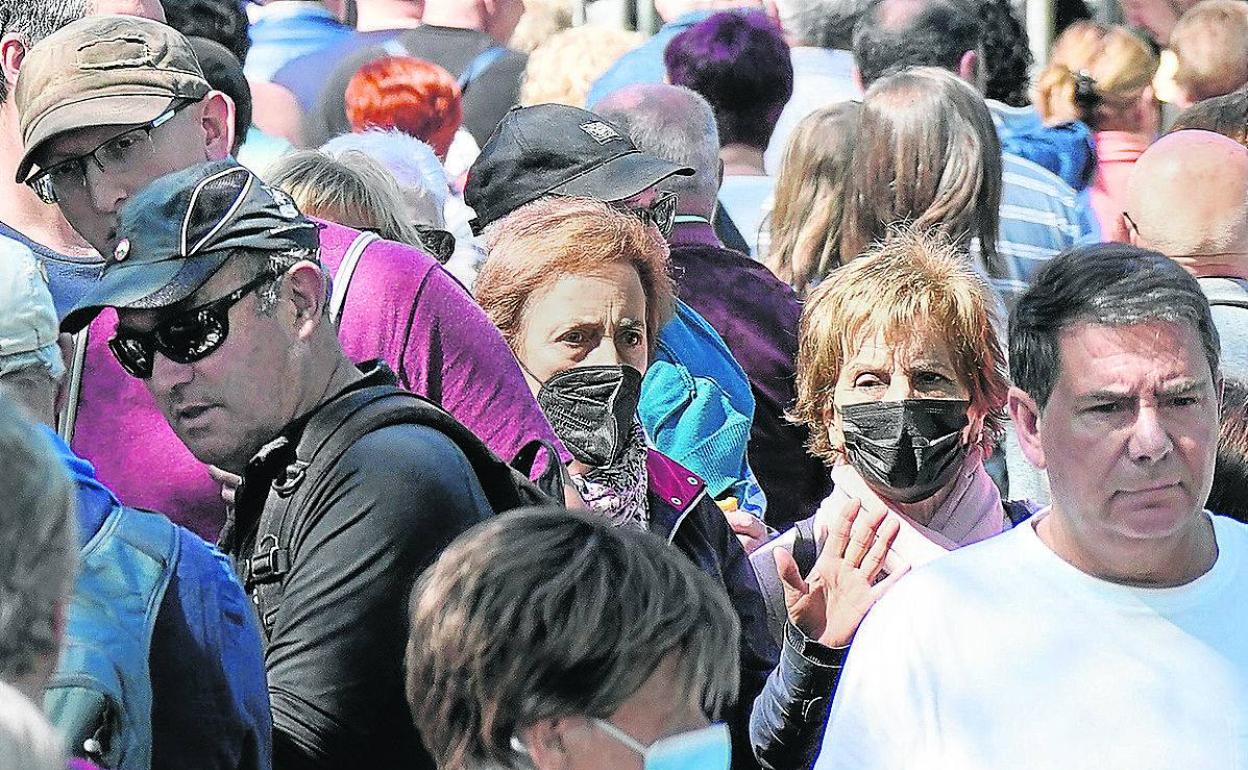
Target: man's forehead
[(147, 9), (1161, 352)]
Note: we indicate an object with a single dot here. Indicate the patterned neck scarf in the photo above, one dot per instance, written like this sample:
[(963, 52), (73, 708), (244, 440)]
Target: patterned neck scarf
[(619, 491)]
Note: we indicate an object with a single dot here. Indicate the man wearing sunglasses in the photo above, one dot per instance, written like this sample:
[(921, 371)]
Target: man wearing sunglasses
[(109, 104), (222, 310), (696, 405)]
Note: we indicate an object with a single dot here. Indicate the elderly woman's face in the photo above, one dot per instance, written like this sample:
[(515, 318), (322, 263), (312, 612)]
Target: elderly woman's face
[(585, 320), (920, 366)]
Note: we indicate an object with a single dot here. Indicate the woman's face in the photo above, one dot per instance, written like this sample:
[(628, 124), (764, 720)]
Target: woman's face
[(919, 366), (585, 320), (655, 711)]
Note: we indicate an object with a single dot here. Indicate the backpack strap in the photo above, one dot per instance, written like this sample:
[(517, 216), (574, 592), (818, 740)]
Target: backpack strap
[(334, 429), (479, 64), (1241, 302), (346, 269), (552, 479), (68, 416)]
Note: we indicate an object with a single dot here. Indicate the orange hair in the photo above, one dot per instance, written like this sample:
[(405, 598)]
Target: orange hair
[(415, 96)]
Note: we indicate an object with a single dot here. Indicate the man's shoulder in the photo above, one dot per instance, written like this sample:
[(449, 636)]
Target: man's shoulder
[(1029, 181)]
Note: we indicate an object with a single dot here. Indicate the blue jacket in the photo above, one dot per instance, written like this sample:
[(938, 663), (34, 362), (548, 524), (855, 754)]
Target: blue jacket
[(696, 403), (209, 696)]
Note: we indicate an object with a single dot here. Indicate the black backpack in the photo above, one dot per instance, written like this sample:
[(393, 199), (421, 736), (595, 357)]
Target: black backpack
[(332, 430)]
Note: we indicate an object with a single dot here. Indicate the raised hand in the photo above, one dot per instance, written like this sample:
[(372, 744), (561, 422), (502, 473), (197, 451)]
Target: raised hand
[(829, 604)]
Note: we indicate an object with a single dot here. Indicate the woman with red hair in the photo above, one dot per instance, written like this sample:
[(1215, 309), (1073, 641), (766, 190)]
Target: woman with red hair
[(415, 96)]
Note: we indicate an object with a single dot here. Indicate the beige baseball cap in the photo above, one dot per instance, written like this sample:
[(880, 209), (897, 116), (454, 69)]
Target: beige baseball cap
[(102, 71)]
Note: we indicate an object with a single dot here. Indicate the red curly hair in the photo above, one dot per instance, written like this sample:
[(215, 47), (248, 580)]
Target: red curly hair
[(415, 96)]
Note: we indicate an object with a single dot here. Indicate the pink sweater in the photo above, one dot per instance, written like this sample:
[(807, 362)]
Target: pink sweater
[(401, 307)]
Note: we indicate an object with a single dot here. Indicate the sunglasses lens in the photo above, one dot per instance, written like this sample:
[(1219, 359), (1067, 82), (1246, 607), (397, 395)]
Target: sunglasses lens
[(664, 213), (133, 355), (439, 243), (187, 339)]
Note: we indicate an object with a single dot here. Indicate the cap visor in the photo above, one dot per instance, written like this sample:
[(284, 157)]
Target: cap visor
[(143, 286), (621, 177), (115, 110)]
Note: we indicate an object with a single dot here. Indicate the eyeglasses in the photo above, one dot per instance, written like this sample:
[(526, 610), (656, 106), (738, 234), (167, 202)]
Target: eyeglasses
[(439, 243), (185, 338), (114, 156), (661, 213)]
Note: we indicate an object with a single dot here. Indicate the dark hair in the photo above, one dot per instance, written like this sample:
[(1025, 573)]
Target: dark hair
[(1007, 56), (1229, 494), (224, 21), (33, 20), (936, 35), (224, 73), (1109, 284), (1226, 115), (740, 64)]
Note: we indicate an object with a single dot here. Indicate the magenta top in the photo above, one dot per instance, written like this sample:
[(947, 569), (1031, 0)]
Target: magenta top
[(401, 307)]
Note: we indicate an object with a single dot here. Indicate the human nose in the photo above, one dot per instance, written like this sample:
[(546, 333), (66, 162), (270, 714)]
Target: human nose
[(167, 375), (1149, 441), (107, 194), (606, 354), (899, 388)]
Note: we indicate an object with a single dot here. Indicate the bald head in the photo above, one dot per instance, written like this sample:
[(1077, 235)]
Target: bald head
[(1188, 198), (675, 124)]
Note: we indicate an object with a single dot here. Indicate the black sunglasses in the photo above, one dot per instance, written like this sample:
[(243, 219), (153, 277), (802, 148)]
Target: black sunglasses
[(185, 338), (440, 244), (661, 213)]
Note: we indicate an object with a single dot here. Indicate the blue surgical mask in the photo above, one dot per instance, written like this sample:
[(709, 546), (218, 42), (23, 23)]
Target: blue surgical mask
[(705, 749)]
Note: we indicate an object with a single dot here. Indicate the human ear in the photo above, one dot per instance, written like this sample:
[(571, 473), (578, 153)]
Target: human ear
[(1025, 414), (12, 52), (543, 743), (305, 285), (217, 121)]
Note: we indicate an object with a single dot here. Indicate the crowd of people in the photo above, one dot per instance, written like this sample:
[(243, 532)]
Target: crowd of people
[(811, 384)]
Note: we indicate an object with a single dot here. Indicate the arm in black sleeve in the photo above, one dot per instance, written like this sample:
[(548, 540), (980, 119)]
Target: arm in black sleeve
[(789, 716), (335, 659)]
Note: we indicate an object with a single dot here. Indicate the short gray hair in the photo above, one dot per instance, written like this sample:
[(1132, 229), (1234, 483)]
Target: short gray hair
[(38, 542), (675, 124), (33, 20), (821, 23), (1108, 284), (27, 740), (544, 613)]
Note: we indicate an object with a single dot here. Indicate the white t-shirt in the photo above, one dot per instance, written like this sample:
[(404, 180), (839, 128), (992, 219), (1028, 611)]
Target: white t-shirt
[(1002, 655)]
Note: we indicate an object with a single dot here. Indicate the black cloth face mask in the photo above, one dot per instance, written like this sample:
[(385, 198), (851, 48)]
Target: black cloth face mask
[(592, 409), (910, 448)]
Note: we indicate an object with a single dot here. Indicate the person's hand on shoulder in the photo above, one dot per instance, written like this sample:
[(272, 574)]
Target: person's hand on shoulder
[(829, 604)]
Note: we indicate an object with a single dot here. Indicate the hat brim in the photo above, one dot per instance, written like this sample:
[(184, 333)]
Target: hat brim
[(621, 177), (143, 286), (111, 110)]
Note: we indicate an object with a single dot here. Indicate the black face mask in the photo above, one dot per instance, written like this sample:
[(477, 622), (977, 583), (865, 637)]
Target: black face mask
[(592, 409), (911, 448)]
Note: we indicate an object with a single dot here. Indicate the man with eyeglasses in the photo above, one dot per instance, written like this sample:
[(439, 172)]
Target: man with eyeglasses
[(222, 308), (109, 104), (1187, 198), (696, 405)]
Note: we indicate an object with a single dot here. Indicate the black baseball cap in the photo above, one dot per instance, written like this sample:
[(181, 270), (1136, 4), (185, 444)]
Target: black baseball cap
[(179, 231), (554, 149)]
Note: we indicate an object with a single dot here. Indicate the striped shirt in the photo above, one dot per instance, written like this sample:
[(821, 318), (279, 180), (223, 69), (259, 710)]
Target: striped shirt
[(1040, 216)]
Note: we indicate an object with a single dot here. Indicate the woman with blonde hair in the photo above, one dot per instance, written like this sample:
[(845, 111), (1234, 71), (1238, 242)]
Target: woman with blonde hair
[(805, 220), (354, 190), (1102, 75), (926, 156)]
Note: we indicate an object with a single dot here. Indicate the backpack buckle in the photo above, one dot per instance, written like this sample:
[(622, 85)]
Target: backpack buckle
[(269, 563), (294, 476)]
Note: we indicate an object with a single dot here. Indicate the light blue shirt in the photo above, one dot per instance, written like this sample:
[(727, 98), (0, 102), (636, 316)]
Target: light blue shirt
[(821, 77)]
